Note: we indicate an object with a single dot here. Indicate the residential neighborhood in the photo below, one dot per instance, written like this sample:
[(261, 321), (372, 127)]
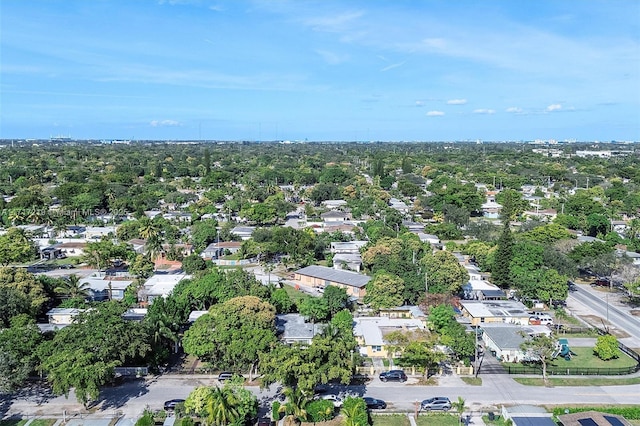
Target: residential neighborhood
[(328, 277)]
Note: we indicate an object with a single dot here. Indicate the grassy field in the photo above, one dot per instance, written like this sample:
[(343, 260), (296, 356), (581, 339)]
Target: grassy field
[(440, 419), (35, 422), (474, 381), (390, 420), (578, 381), (295, 295), (586, 359)]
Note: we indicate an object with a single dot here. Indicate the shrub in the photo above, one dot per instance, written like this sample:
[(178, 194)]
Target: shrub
[(606, 347), (320, 410), (275, 410), (146, 419)]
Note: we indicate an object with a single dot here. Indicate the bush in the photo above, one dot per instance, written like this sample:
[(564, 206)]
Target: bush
[(275, 410), (146, 420), (320, 410), (606, 347), (629, 413)]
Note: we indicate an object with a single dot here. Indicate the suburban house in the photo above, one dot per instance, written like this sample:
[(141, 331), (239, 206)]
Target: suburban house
[(315, 276), (477, 289), (592, 418), (500, 311), (104, 288), (98, 232), (428, 238), (349, 262), (370, 333), (292, 328), (349, 247), (159, 285), (63, 316), (333, 216), (406, 311), (72, 248), (399, 206), (334, 204), (504, 340), (490, 208), (244, 232), (217, 249)]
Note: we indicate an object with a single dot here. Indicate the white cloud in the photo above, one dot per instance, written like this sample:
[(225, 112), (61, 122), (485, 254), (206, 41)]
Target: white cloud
[(554, 107), (419, 103), (516, 110), (484, 111), (165, 123), (435, 113), (456, 101), (392, 66)]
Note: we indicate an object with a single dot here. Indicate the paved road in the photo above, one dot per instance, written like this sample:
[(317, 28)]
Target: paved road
[(606, 307), (131, 398)]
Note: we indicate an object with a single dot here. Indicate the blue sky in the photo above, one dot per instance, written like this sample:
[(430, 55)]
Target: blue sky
[(401, 70)]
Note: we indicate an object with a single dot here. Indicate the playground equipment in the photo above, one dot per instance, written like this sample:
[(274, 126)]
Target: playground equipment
[(563, 350)]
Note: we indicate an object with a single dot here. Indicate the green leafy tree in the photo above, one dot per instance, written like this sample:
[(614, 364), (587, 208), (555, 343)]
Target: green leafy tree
[(233, 334), (83, 355), (606, 347), (20, 287), (444, 273), (337, 299), (540, 349), (18, 345), (193, 263), (384, 291), (314, 309), (16, 247), (281, 301)]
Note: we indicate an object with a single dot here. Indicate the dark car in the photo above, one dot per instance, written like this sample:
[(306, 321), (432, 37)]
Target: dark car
[(440, 403), (225, 375), (393, 375), (172, 403), (374, 403)]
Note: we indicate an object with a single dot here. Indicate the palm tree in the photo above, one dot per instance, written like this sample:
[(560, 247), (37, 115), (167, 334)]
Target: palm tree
[(459, 405), (73, 288), (222, 407), (296, 404)]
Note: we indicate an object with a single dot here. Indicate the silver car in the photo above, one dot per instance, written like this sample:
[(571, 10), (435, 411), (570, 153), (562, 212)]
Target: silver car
[(439, 403)]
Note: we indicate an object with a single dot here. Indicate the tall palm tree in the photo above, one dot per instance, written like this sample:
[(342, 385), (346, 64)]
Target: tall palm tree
[(222, 407), (72, 287)]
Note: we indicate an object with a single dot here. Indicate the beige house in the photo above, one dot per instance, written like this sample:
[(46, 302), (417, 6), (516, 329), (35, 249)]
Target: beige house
[(319, 277), (370, 333), (495, 311)]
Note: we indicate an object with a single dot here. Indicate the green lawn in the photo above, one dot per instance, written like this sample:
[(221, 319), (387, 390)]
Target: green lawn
[(295, 295), (578, 381), (17, 422), (498, 421), (474, 381), (390, 420), (21, 422), (439, 419), (586, 359)]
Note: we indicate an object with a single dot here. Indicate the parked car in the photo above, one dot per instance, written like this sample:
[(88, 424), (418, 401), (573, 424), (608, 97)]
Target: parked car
[(335, 399), (602, 282), (374, 403), (66, 266), (225, 375), (172, 403), (393, 375), (440, 403)]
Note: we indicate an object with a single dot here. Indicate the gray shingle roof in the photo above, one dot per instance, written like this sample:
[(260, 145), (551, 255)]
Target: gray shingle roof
[(351, 279)]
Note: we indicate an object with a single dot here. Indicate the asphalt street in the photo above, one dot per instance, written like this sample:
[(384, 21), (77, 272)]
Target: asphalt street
[(132, 398)]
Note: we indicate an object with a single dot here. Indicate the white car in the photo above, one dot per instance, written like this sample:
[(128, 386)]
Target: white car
[(336, 399)]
